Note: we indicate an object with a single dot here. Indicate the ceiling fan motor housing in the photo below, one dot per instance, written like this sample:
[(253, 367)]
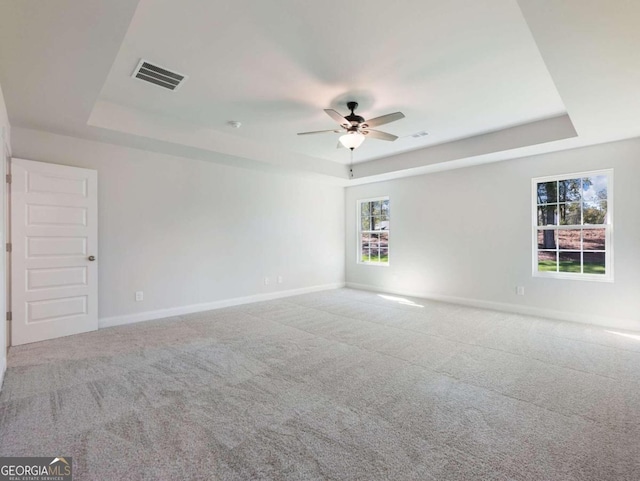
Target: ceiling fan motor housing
[(353, 118)]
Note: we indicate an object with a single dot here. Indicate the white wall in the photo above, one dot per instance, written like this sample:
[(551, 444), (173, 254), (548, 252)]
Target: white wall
[(4, 148), (190, 232), (465, 235)]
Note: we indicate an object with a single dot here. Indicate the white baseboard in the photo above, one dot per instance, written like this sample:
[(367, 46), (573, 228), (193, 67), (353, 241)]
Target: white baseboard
[(209, 306), (513, 308)]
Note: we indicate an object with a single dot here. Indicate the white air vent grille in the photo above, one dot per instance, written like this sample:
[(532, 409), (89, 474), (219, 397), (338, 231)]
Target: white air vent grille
[(422, 133), (158, 75)]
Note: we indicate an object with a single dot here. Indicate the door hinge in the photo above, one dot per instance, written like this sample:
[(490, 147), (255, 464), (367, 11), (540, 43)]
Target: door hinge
[(8, 178), (9, 247), (9, 316)]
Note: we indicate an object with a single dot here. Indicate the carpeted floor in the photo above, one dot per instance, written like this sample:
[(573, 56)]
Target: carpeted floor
[(337, 385)]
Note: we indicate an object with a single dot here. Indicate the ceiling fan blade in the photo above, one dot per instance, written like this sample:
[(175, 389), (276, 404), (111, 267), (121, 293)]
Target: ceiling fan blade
[(384, 119), (337, 117), (376, 134), (319, 132)]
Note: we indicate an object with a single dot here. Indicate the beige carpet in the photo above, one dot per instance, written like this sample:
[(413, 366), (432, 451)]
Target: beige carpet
[(337, 385)]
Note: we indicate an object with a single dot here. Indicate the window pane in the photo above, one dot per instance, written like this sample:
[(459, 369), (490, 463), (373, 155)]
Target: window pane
[(547, 239), (365, 223), (594, 188), (385, 207), (594, 263), (569, 190), (594, 239), (365, 209), (569, 239), (547, 261), (384, 247), (369, 247), (376, 207), (569, 261), (548, 215), (547, 192), (381, 223), (364, 246), (570, 214), (595, 212), (374, 249)]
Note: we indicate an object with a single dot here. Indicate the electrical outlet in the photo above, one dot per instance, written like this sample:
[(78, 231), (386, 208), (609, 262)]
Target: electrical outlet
[(279, 279), (139, 296), (520, 290), (266, 281)]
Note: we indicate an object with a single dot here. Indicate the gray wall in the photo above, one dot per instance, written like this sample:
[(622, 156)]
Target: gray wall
[(466, 236), (189, 232)]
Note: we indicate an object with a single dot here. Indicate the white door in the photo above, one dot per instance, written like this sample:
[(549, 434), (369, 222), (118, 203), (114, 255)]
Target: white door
[(54, 240)]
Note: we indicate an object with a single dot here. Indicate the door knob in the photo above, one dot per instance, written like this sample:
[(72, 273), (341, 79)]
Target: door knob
[(92, 258)]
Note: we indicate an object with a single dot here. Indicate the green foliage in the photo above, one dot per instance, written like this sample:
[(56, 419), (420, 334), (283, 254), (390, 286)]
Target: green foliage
[(547, 266), (571, 266), (593, 268), (383, 259), (596, 212)]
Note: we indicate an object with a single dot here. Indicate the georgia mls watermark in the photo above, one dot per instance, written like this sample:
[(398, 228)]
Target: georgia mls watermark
[(36, 469)]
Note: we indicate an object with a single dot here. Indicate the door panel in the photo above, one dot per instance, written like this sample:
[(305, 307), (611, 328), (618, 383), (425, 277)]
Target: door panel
[(49, 215), (62, 277), (56, 308), (56, 246), (38, 182), (53, 233)]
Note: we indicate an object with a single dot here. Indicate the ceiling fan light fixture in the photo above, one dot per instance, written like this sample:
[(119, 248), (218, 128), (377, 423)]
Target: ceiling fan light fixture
[(352, 140)]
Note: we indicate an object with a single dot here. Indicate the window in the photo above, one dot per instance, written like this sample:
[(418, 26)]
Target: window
[(573, 226), (373, 231)]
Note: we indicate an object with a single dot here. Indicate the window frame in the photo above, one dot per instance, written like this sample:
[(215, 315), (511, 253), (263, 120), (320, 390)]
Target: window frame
[(608, 226), (359, 232)]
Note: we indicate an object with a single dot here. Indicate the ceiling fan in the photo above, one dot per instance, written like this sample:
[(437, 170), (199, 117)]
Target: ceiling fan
[(356, 128)]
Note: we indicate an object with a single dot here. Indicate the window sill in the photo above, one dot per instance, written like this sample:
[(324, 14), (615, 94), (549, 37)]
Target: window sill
[(574, 277), (377, 264)]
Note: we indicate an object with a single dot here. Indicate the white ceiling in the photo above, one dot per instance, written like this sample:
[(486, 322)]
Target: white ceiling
[(275, 65), (488, 80)]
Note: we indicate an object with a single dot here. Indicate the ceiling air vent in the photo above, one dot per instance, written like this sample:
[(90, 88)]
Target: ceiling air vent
[(422, 133), (159, 76)]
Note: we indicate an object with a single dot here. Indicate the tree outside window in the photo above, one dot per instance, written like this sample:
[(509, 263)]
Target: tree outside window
[(373, 231)]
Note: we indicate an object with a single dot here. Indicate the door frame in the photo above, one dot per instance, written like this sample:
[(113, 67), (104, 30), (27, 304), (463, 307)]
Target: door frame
[(5, 172)]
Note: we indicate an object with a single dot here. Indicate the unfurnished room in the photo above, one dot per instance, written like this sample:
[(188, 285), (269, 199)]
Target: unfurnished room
[(288, 240)]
